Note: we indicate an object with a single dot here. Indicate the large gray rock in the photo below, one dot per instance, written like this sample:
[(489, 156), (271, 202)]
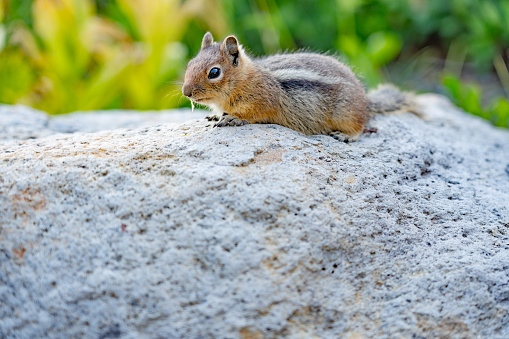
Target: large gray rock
[(189, 231)]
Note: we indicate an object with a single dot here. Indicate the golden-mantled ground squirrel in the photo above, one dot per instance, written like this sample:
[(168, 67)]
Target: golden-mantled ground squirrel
[(308, 92)]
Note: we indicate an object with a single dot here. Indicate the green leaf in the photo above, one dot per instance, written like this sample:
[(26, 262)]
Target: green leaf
[(16, 77), (3, 37), (383, 47), (452, 84), (500, 111), (350, 45)]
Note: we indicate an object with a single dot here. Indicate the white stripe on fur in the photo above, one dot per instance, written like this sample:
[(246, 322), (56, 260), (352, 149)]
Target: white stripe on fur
[(288, 74)]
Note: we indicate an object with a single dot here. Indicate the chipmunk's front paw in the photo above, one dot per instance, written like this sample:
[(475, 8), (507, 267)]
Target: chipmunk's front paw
[(343, 137), (230, 120), (213, 117)]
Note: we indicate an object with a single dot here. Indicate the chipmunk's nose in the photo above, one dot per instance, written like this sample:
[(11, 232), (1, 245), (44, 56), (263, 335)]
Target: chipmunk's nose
[(187, 90)]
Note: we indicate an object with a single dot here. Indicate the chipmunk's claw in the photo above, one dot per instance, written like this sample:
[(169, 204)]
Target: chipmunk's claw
[(230, 120), (213, 117), (343, 137)]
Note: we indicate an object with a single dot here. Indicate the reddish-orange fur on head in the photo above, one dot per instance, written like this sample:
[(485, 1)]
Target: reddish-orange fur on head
[(226, 56)]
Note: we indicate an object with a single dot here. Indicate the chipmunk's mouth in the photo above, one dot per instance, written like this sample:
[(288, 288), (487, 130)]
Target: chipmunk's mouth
[(201, 100)]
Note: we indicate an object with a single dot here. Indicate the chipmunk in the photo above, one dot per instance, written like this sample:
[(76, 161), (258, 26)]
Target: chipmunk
[(308, 92)]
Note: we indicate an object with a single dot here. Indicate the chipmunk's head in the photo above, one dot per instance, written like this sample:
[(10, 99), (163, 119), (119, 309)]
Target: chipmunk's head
[(211, 76)]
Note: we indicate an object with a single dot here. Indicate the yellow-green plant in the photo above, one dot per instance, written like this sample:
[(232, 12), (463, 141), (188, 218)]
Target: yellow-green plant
[(16, 76), (83, 61), (2, 6), (78, 57), (160, 26)]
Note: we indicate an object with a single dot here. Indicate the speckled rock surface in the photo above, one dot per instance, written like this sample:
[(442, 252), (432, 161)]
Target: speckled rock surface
[(21, 122), (189, 231)]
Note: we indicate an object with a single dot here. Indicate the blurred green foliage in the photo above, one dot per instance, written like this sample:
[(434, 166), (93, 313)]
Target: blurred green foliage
[(469, 97), (66, 55), (63, 56)]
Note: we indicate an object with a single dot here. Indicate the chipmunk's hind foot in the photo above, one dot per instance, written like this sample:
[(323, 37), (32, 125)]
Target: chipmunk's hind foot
[(344, 137)]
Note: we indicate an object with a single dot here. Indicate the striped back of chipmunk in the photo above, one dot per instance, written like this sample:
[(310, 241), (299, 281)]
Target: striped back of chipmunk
[(299, 76), (319, 87), (306, 70)]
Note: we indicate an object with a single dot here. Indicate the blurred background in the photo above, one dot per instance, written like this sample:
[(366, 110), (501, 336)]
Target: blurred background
[(62, 56)]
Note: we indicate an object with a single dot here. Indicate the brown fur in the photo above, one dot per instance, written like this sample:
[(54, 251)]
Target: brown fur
[(308, 92)]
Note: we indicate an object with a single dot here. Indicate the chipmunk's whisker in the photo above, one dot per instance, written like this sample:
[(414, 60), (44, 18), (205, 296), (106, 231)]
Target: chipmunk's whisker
[(173, 93), (175, 82)]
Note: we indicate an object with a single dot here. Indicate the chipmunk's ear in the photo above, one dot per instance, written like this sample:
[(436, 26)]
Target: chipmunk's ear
[(231, 47), (207, 40)]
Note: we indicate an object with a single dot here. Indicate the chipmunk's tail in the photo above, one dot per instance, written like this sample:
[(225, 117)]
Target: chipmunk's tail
[(388, 99)]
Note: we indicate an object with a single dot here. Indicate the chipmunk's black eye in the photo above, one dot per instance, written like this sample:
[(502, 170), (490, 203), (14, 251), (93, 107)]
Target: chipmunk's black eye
[(214, 73)]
